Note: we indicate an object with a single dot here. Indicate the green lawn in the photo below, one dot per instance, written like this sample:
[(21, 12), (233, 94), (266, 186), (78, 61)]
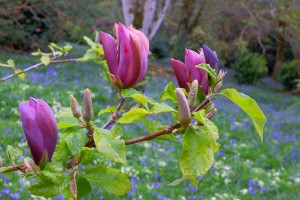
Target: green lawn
[(245, 168)]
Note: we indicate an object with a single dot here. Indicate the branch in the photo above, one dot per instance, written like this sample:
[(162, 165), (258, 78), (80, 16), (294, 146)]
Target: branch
[(35, 67), (151, 136)]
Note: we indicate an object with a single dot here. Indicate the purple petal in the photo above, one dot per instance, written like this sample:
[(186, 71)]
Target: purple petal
[(181, 72), (192, 59), (110, 51), (32, 132), (211, 58), (46, 122)]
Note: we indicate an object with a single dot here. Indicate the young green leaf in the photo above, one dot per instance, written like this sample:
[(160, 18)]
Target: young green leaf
[(132, 115), (169, 93), (109, 147), (162, 108), (112, 180), (84, 187), (248, 105), (109, 109), (211, 72), (45, 59)]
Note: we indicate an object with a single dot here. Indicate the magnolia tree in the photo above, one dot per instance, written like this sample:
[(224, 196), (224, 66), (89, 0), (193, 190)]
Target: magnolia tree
[(69, 151)]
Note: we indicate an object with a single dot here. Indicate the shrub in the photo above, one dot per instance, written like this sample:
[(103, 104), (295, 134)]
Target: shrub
[(249, 67), (288, 75)]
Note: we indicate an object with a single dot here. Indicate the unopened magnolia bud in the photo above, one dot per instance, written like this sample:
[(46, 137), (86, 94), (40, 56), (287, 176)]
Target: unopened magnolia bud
[(88, 113), (184, 109), (193, 94), (115, 81), (75, 107), (118, 137)]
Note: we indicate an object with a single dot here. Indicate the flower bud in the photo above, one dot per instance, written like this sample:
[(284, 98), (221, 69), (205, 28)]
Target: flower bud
[(193, 94), (75, 107), (184, 109), (88, 113), (40, 128)]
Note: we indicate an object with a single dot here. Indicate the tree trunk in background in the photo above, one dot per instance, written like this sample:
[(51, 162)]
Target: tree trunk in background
[(190, 14), (146, 15), (279, 57)]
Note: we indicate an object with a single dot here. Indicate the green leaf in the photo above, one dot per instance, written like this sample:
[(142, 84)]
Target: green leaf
[(109, 109), (75, 141), (250, 106), (112, 180), (162, 108), (128, 92), (109, 147), (61, 152), (45, 59), (132, 115), (169, 93), (90, 55), (44, 187), (11, 63), (211, 127), (197, 154), (13, 153), (90, 42), (63, 125), (21, 75), (87, 155), (84, 187), (211, 72), (141, 99)]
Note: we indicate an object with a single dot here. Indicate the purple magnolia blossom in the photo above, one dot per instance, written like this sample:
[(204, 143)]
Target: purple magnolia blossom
[(40, 127), (187, 72), (126, 57)]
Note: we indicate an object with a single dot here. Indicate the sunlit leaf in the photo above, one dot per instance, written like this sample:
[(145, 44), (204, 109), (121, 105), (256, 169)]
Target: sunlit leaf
[(169, 93), (132, 115), (248, 105), (45, 59)]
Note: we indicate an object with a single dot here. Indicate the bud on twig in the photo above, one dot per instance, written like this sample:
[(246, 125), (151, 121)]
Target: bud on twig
[(211, 113), (75, 107), (97, 38), (184, 109), (193, 94), (88, 113)]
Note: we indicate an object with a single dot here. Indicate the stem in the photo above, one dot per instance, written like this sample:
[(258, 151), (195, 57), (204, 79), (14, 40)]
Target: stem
[(202, 104), (116, 114), (35, 67), (151, 136)]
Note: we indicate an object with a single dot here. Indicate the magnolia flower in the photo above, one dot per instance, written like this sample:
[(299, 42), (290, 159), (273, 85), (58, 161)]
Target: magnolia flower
[(40, 127), (127, 55), (187, 72)]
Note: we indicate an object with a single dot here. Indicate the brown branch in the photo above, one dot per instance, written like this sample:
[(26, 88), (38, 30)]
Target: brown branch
[(151, 136), (202, 104), (35, 67)]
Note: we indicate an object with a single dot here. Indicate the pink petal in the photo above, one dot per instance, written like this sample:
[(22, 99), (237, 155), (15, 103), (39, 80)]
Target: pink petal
[(181, 72), (142, 37), (192, 58), (125, 55), (110, 51)]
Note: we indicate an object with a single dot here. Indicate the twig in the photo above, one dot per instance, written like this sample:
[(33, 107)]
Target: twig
[(202, 104), (151, 136), (34, 67), (116, 115)]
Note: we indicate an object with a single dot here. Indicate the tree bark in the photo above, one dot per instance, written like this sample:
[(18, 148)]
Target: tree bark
[(127, 6), (279, 57)]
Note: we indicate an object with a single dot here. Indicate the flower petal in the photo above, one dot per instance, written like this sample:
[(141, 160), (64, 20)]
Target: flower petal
[(32, 132), (110, 51), (142, 37), (48, 126), (211, 58), (181, 72), (192, 58)]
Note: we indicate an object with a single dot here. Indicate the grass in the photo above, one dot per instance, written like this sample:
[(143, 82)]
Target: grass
[(244, 167)]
